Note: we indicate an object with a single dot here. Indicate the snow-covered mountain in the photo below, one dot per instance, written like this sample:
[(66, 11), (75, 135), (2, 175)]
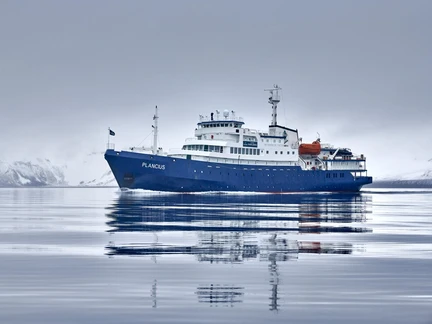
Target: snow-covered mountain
[(418, 170), (106, 180), (88, 170), (419, 176), (40, 172)]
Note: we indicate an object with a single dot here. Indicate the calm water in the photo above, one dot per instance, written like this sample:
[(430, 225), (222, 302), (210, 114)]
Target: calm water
[(81, 255)]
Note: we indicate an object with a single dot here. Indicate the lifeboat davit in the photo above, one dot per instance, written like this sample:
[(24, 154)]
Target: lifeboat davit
[(310, 149)]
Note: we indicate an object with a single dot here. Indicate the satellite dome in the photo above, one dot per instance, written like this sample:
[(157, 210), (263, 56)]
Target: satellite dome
[(226, 113)]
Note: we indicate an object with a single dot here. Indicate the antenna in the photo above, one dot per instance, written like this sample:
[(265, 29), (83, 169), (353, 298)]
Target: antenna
[(155, 130), (274, 99)]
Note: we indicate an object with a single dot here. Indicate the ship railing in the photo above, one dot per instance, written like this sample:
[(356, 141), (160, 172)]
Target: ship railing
[(349, 158), (177, 151), (220, 118), (359, 168), (190, 139), (141, 149), (357, 157), (110, 146), (249, 131), (327, 146)]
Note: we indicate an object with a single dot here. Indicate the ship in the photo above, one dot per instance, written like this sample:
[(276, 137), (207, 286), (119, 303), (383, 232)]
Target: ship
[(226, 156)]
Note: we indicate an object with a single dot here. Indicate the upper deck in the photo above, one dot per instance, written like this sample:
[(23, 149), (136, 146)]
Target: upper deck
[(222, 137)]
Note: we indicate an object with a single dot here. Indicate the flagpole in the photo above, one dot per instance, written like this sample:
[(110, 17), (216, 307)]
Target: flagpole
[(108, 137)]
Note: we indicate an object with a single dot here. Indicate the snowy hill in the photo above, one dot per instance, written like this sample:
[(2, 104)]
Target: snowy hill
[(419, 176), (418, 170), (40, 172), (106, 180), (88, 170)]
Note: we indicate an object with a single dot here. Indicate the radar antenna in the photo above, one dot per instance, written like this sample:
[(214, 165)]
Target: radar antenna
[(155, 130), (274, 99)]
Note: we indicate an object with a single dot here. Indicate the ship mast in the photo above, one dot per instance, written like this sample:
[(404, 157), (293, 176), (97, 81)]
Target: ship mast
[(155, 131), (274, 100)]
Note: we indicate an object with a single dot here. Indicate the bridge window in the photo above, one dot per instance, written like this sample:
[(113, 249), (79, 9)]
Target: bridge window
[(231, 150)]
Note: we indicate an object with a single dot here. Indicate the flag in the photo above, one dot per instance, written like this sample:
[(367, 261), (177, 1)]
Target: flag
[(111, 132)]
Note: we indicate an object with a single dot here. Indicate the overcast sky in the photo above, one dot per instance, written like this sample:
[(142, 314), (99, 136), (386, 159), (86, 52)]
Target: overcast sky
[(357, 72)]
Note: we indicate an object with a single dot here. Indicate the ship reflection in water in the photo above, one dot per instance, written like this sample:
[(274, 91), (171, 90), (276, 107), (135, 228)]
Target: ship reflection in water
[(233, 229)]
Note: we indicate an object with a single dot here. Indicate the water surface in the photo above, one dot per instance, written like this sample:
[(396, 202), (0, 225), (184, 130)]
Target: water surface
[(99, 255)]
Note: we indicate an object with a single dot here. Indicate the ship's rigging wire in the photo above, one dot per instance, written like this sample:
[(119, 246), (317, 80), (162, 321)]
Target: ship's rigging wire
[(151, 132)]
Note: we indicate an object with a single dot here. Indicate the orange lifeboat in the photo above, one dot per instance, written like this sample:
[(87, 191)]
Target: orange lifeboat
[(310, 149)]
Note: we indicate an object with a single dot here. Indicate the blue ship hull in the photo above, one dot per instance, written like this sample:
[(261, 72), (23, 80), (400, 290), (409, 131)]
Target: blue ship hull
[(161, 173)]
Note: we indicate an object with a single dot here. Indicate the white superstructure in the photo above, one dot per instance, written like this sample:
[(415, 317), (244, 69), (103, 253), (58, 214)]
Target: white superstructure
[(221, 137)]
